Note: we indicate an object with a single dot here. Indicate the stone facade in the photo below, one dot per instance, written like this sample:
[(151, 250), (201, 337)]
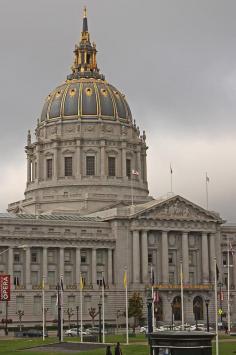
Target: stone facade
[(87, 213)]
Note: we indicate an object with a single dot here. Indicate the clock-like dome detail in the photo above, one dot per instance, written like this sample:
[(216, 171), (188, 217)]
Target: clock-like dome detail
[(86, 99), (86, 94)]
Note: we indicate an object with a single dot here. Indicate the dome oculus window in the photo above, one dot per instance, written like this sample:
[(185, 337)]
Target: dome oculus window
[(72, 92), (104, 92), (58, 94), (88, 91)]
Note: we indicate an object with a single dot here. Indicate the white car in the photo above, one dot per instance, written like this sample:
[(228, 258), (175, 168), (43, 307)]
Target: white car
[(73, 332)]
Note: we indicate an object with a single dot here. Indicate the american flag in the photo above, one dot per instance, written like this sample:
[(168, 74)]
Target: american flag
[(135, 172), (231, 248)]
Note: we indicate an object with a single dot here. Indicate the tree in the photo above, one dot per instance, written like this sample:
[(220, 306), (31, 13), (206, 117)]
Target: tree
[(93, 314), (135, 309)]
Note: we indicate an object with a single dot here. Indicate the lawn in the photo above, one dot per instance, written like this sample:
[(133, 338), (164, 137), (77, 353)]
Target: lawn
[(9, 347)]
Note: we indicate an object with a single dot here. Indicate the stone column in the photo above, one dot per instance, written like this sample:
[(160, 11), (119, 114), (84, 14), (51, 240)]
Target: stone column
[(38, 162), (102, 159), (77, 266), (185, 257), (123, 160), (27, 268), (144, 243), (45, 264), (94, 267), (78, 159), (28, 169), (55, 162), (139, 164), (136, 257), (61, 263), (212, 256), (164, 257), (109, 267), (145, 166), (205, 261), (10, 264)]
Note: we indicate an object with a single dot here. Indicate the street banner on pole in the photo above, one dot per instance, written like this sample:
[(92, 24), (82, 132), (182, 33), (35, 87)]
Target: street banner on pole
[(5, 288)]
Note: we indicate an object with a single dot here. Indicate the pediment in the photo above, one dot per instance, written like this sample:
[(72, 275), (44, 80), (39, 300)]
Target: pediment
[(177, 208)]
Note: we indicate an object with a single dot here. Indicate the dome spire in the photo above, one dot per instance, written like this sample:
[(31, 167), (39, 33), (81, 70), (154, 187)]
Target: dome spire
[(85, 61)]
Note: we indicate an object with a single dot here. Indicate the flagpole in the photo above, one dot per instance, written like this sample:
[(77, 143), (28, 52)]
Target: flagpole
[(152, 277), (207, 180), (182, 292), (81, 309), (62, 307), (228, 289), (43, 297), (216, 311), (126, 306), (103, 311)]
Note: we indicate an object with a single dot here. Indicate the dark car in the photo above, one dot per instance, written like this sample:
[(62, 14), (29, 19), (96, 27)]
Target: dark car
[(34, 333)]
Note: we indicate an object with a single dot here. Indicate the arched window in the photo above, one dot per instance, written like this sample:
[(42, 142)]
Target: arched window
[(198, 308), (176, 308), (158, 309)]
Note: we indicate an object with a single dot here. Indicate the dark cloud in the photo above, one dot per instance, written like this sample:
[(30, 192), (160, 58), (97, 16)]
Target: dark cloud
[(175, 61)]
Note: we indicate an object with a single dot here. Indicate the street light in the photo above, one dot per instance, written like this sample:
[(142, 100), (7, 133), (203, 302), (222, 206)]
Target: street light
[(100, 322), (207, 301)]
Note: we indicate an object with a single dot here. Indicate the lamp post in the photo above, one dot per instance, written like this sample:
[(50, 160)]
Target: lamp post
[(221, 312), (100, 321), (58, 288), (149, 311), (77, 320), (207, 301)]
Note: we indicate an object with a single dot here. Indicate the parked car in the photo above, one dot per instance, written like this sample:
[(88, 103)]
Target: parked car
[(73, 332), (34, 333), (94, 331)]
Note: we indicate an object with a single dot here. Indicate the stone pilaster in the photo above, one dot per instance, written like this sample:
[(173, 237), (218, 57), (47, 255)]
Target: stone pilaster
[(139, 164), (144, 244), (205, 260), (10, 263), (55, 161), (164, 257), (212, 256), (78, 159), (136, 257), (61, 263), (109, 267), (185, 257), (45, 264), (28, 169), (77, 265), (94, 267), (27, 267), (123, 159), (102, 159)]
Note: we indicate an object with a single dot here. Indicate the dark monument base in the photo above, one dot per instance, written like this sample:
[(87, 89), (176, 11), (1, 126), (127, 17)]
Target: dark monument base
[(181, 343)]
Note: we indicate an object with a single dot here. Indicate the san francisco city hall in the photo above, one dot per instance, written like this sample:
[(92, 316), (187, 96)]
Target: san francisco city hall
[(77, 216)]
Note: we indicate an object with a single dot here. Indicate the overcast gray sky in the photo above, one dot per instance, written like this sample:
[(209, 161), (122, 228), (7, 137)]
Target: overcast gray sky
[(174, 59)]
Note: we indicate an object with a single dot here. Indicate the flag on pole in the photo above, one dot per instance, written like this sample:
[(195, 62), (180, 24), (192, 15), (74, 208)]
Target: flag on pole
[(103, 283), (61, 284), (171, 170), (207, 178), (135, 172), (81, 282), (125, 279), (217, 272), (231, 248)]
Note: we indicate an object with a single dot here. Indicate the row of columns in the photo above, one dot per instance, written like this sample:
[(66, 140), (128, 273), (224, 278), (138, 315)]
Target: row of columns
[(140, 255), (34, 172), (61, 264)]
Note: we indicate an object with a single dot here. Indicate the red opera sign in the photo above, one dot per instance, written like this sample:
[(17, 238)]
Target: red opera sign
[(5, 288)]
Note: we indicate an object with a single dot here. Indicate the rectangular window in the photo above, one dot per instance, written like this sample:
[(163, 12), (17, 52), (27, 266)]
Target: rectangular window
[(71, 301), (68, 166), (51, 256), (34, 278), (100, 257), (49, 168), (19, 303), (192, 258), (34, 257), (68, 277), (51, 278), (128, 168), (16, 257), (224, 259), (99, 278), (170, 258), (83, 257), (150, 258), (37, 307), (17, 278), (90, 166), (67, 256), (191, 278), (171, 278), (111, 166)]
